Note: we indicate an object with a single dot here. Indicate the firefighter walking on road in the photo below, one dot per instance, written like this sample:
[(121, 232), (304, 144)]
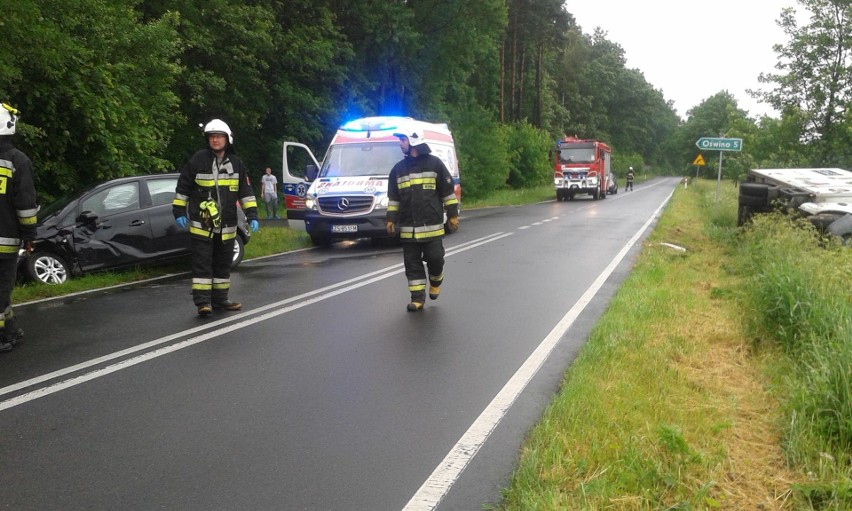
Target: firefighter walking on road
[(18, 208), (209, 187), (420, 189)]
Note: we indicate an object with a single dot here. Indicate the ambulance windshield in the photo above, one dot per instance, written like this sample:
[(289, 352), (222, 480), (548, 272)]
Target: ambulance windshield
[(367, 159)]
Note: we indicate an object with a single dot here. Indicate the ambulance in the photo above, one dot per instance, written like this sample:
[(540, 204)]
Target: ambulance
[(346, 196)]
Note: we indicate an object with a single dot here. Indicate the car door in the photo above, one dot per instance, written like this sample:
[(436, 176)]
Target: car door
[(169, 239), (116, 231)]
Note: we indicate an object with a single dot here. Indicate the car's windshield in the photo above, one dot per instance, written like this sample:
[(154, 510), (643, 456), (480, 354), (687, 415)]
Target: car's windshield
[(54, 207), (368, 159)]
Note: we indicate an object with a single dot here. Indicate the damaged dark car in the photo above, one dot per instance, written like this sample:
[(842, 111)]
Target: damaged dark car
[(121, 223)]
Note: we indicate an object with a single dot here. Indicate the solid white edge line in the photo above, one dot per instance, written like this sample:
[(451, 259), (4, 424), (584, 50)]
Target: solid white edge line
[(238, 322), (436, 487)]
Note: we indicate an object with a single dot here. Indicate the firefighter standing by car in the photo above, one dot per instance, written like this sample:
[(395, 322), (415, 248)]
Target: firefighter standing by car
[(209, 187), (629, 185), (420, 188), (18, 208)]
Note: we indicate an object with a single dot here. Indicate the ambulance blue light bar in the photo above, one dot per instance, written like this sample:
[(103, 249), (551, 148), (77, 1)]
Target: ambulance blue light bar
[(374, 124)]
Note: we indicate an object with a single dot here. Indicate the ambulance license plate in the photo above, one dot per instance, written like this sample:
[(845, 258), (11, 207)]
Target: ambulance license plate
[(344, 228)]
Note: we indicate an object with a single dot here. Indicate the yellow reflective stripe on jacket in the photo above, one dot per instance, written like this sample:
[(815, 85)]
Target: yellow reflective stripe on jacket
[(417, 179), (450, 199), (248, 202), (27, 216), (197, 228), (180, 200), (421, 232), (9, 245), (5, 168), (229, 181)]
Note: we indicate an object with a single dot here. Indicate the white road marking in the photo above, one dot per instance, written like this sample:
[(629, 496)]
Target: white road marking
[(448, 471)]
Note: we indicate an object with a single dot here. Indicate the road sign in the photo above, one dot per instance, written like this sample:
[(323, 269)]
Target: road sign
[(699, 160), (720, 144)]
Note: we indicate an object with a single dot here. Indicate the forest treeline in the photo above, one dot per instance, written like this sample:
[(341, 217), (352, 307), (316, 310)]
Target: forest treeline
[(109, 88)]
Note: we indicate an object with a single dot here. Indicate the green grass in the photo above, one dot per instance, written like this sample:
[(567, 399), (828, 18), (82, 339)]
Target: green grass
[(510, 197), (672, 405)]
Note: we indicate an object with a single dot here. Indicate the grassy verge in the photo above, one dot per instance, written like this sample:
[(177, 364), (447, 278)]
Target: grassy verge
[(671, 404)]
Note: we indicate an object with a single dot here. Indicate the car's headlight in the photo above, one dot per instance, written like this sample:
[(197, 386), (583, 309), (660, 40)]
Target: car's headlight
[(311, 203), (382, 202)]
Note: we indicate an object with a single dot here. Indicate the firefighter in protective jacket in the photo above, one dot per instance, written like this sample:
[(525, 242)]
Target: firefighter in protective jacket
[(420, 188), (209, 187), (18, 208)]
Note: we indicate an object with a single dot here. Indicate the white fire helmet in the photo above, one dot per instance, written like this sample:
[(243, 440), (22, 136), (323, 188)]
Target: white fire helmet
[(218, 126), (414, 135), (8, 119)]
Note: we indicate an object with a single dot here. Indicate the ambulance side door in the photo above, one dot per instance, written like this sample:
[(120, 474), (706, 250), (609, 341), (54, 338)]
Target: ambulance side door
[(295, 181)]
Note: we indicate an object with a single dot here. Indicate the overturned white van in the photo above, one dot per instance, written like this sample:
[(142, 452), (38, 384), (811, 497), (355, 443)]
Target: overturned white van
[(345, 197), (822, 195)]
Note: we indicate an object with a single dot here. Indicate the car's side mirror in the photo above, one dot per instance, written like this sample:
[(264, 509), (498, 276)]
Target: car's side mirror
[(87, 217), (311, 172)]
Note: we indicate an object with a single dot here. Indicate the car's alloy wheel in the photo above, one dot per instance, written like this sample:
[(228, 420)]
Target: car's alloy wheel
[(239, 252), (47, 268)]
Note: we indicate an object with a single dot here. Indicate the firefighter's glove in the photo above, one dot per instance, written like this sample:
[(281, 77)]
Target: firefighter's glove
[(453, 224), (182, 222), (390, 227), (28, 247), (253, 225)]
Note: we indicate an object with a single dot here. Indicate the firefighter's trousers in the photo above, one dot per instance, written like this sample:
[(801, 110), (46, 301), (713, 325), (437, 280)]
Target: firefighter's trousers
[(8, 275), (211, 269), (414, 254)]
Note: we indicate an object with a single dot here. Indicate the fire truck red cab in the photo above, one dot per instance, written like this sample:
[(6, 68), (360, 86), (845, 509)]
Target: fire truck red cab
[(580, 167)]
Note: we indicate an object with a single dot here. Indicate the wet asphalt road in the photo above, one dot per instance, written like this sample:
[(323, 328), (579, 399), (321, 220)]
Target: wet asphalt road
[(323, 393)]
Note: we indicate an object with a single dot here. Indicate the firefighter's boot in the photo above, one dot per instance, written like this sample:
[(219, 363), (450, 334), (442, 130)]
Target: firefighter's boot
[(415, 306), (435, 286), (227, 305), (9, 340)]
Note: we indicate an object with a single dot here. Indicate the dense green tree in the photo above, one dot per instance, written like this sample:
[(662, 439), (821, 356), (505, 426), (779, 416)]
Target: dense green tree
[(814, 79), (94, 85), (716, 116)]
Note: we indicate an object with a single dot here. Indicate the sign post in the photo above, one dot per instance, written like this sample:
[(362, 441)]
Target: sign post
[(721, 145)]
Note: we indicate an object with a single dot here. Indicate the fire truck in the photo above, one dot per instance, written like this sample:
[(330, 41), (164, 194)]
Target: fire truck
[(581, 167)]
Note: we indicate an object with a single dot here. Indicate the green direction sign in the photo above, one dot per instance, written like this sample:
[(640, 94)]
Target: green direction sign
[(720, 144)]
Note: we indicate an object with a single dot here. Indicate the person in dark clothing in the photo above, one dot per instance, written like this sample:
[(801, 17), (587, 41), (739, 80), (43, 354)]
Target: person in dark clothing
[(209, 187), (420, 189), (629, 185), (18, 209)]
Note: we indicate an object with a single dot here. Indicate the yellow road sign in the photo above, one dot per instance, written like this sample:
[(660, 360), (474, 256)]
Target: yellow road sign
[(699, 160)]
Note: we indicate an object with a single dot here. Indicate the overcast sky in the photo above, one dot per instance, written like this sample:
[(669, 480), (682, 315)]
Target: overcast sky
[(691, 49)]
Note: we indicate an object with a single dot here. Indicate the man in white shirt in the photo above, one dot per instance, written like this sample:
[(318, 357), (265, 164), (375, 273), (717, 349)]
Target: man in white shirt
[(270, 194)]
